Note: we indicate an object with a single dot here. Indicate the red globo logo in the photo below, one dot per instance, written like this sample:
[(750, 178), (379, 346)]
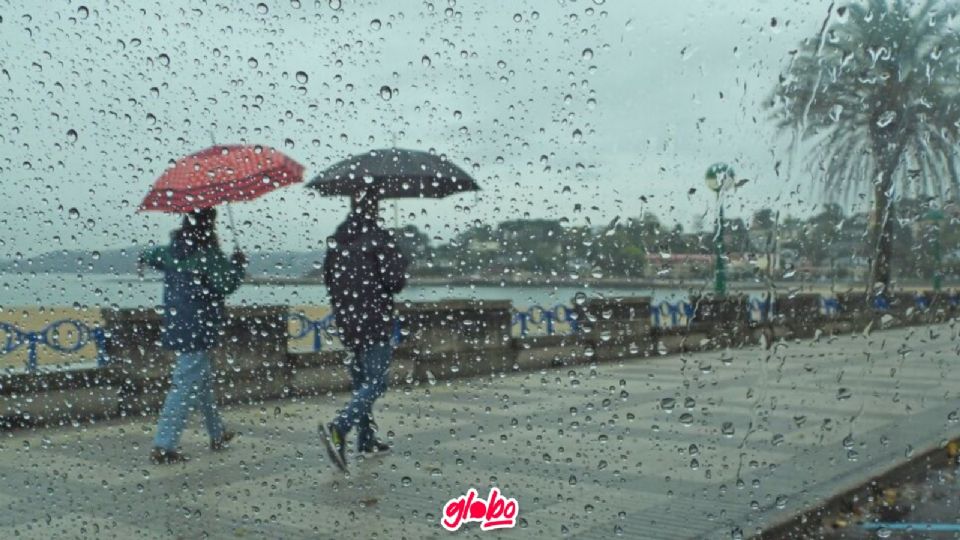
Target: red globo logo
[(495, 512)]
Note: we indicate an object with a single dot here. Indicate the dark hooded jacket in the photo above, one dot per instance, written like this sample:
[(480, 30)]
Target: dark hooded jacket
[(196, 280), (362, 270)]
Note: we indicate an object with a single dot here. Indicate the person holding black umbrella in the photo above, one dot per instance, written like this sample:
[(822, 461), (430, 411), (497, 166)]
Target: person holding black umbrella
[(363, 270)]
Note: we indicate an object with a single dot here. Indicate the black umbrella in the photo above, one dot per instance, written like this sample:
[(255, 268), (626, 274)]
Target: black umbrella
[(393, 173)]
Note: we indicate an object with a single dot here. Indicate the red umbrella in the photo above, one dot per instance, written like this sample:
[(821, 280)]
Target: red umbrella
[(221, 174)]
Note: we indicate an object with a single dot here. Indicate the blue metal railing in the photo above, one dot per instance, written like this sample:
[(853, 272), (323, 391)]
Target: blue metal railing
[(52, 336), (559, 318), (326, 328), (673, 314), (830, 306), (320, 328), (677, 314), (538, 315)]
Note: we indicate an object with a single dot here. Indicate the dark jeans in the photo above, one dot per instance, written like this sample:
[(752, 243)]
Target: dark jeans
[(369, 374)]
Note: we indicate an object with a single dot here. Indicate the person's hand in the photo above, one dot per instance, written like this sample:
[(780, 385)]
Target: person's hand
[(238, 258)]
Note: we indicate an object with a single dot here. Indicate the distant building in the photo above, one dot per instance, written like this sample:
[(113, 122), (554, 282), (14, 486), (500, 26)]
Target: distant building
[(677, 265), (483, 246)]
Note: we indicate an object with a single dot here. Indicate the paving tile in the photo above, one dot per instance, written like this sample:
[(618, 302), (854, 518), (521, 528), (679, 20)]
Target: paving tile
[(589, 451)]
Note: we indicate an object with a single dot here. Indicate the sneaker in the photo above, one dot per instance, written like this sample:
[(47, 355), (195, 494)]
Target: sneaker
[(161, 456), (335, 444), (375, 447), (223, 441)]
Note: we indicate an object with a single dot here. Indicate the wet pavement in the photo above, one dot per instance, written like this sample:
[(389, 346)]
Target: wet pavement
[(716, 444), (921, 502)]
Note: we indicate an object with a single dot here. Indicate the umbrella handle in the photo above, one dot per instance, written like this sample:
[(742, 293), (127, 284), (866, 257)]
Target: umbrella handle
[(233, 225), (233, 228)]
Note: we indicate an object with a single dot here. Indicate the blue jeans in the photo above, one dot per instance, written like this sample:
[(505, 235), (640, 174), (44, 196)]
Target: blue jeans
[(369, 374), (192, 389)]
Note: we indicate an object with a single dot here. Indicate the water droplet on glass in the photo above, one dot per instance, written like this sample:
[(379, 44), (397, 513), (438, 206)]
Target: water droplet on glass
[(252, 62), (386, 92), (72, 135), (517, 17), (425, 61), (302, 77), (886, 119), (73, 213), (262, 8), (334, 4), (375, 24), (83, 12), (587, 54)]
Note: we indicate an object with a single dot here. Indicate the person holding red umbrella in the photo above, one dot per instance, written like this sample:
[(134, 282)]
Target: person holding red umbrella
[(198, 277)]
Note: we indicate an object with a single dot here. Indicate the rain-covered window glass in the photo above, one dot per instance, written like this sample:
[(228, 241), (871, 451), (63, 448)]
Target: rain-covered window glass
[(568, 268)]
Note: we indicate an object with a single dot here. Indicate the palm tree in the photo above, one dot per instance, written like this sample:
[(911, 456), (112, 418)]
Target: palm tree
[(876, 95)]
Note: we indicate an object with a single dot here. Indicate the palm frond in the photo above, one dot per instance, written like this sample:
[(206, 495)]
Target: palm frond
[(885, 78)]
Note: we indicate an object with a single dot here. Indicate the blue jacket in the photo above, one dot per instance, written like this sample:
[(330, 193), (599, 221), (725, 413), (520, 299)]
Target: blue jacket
[(195, 284)]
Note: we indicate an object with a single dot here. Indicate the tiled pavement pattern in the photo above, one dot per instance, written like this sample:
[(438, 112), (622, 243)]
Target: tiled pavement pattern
[(589, 451)]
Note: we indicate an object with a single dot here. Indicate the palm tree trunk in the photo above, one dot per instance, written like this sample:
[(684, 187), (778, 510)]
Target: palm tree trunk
[(887, 159), (882, 234)]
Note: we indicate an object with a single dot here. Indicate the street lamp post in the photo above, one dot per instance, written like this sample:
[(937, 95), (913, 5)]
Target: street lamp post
[(719, 177), (935, 217)]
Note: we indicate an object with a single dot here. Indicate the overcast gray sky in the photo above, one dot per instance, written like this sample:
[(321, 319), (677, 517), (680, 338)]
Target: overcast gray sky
[(659, 89)]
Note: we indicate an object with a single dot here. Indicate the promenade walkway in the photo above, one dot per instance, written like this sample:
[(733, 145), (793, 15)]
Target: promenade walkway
[(701, 445)]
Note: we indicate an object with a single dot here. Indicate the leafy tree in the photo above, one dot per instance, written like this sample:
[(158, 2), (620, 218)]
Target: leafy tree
[(413, 241), (762, 219), (618, 253), (876, 94)]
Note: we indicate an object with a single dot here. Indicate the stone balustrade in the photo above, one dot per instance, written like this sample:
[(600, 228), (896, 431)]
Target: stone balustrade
[(440, 340)]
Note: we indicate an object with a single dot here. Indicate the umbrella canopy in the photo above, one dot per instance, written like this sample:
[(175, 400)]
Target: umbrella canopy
[(394, 173), (221, 174)]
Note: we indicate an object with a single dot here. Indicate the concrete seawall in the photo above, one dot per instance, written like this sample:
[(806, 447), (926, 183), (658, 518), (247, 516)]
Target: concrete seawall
[(444, 340)]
